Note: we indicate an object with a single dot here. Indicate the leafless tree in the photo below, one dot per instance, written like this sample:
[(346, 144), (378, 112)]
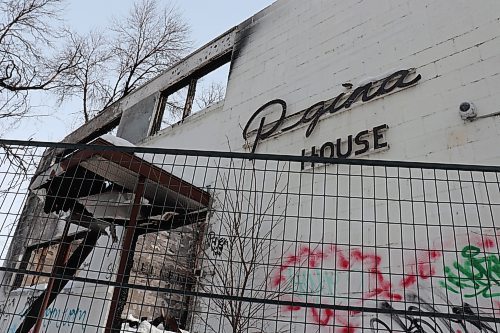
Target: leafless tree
[(99, 68), (29, 60), (133, 50), (16, 163), (146, 42), (211, 94), (87, 80), (238, 256)]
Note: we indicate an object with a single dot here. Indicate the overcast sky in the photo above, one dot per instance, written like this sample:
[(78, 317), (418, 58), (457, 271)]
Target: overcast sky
[(208, 19)]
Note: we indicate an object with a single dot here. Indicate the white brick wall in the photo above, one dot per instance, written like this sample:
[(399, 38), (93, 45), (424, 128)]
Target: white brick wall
[(303, 51)]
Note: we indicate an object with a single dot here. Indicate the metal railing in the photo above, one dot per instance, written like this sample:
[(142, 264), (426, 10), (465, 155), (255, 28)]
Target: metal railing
[(120, 239)]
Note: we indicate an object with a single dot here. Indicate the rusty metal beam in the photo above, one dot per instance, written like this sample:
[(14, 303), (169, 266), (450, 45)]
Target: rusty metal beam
[(142, 168), (120, 293), (188, 106)]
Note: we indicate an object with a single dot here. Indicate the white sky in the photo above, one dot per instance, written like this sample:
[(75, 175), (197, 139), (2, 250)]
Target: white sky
[(208, 19)]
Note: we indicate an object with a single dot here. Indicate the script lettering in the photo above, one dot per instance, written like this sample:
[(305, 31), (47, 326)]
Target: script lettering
[(313, 114)]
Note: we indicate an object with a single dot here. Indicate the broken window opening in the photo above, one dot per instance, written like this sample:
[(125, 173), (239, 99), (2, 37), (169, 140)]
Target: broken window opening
[(211, 88), (172, 108), (162, 259), (40, 259), (197, 92)]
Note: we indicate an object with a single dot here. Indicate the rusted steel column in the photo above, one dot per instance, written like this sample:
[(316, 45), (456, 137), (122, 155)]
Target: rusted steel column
[(61, 257), (126, 255)]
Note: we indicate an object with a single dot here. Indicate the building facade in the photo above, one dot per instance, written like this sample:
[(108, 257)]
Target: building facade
[(387, 80)]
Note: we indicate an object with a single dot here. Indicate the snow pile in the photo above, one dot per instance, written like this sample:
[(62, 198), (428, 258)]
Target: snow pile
[(119, 142), (114, 140), (144, 327), (113, 204)]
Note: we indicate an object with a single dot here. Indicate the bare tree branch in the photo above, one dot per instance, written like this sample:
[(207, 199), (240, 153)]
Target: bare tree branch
[(212, 94), (27, 32), (88, 78), (131, 51), (241, 212), (148, 41), (29, 61)]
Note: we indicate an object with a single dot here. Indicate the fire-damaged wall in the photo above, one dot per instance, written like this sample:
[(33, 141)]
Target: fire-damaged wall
[(307, 52), (391, 80), (167, 260)]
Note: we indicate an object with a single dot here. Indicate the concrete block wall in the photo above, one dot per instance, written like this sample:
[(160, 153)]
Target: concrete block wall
[(303, 52)]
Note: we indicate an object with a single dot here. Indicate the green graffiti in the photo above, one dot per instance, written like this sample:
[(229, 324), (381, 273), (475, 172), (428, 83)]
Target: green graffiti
[(311, 281), (477, 275)]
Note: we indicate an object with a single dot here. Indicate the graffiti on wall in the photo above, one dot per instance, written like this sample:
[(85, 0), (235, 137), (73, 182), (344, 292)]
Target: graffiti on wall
[(477, 274), (65, 317), (311, 281), (216, 243), (54, 316), (412, 321), (60, 318), (365, 277)]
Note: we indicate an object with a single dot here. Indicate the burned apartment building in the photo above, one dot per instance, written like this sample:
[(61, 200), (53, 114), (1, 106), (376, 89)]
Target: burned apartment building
[(381, 217)]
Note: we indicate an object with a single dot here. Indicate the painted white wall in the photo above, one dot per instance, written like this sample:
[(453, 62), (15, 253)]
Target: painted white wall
[(302, 52)]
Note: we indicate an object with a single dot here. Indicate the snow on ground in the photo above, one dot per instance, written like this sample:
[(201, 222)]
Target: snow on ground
[(145, 327)]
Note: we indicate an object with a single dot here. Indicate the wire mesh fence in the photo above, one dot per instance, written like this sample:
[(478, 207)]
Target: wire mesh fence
[(100, 238)]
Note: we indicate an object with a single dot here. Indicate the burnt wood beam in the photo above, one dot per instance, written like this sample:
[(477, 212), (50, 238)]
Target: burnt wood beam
[(197, 64), (29, 250), (175, 222)]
